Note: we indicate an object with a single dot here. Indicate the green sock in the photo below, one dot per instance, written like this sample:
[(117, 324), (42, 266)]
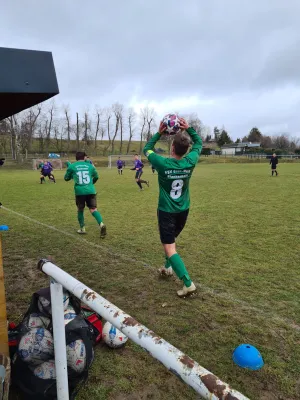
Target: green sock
[(80, 219), (180, 269), (97, 216), (167, 263)]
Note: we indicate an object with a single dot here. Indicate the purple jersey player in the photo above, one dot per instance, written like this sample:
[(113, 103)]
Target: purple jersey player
[(138, 167), (47, 171), (120, 166)]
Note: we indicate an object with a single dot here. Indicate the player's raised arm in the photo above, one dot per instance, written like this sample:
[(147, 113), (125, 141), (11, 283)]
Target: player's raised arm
[(196, 149), (155, 160)]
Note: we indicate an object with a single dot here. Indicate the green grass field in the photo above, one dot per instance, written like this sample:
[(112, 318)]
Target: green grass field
[(241, 247)]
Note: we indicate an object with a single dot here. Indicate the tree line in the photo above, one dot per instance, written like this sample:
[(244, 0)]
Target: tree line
[(281, 142), (105, 130), (109, 130)]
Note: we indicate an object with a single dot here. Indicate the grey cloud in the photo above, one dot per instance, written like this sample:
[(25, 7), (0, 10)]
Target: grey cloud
[(110, 51)]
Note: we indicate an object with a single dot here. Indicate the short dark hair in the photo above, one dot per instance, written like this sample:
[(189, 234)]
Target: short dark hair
[(80, 155), (181, 143)]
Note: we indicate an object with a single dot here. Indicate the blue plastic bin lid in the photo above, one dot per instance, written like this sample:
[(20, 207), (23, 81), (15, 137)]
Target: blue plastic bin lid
[(247, 356), (3, 228)]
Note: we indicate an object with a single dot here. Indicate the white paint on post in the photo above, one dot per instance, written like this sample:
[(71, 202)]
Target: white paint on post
[(201, 380), (57, 307)]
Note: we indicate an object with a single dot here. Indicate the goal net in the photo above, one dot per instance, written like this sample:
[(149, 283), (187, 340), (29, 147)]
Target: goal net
[(128, 160), (56, 163)]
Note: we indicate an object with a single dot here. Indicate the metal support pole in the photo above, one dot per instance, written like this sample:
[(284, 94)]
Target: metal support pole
[(201, 380), (59, 334)]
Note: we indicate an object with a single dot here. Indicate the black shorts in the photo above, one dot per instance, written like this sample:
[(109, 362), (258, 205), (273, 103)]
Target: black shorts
[(273, 166), (170, 225), (138, 174), (90, 200), (120, 167), (45, 175)]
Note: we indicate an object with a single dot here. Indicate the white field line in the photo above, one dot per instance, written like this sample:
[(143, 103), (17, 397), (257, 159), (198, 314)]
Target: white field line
[(203, 288)]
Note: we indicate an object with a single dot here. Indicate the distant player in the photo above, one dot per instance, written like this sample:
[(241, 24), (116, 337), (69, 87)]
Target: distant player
[(88, 160), (85, 176), (120, 166), (138, 167), (41, 164), (274, 162), (2, 161), (174, 198), (47, 172)]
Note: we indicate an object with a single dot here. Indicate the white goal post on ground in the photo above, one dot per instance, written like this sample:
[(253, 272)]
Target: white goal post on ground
[(56, 163), (128, 159)]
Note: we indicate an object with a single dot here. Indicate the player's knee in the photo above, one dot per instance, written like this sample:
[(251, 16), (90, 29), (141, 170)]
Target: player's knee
[(93, 210)]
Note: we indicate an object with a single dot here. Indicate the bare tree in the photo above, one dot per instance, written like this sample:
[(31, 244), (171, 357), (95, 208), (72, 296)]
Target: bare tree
[(77, 131), (14, 129), (281, 142), (150, 121), (194, 121), (4, 136), (98, 128), (49, 122), (58, 139), (131, 120), (121, 129), (68, 127), (147, 119), (28, 125), (117, 110), (87, 129), (143, 118), (108, 116)]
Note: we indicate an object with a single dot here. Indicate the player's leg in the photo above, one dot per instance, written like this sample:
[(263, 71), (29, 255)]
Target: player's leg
[(276, 171), (121, 171), (42, 178), (141, 180), (80, 203), (170, 226), (51, 176), (137, 179), (91, 201)]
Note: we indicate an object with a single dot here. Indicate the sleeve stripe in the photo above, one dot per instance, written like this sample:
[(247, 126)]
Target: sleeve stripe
[(149, 152)]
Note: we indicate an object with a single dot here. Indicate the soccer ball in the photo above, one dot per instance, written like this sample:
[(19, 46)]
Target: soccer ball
[(36, 346), (69, 314), (171, 121), (38, 321), (113, 337), (76, 356), (46, 370)]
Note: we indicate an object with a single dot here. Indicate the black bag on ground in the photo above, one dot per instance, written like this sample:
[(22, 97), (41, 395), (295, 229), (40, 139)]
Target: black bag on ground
[(33, 387)]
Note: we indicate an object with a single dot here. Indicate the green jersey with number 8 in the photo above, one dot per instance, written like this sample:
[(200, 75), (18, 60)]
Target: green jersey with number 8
[(174, 175), (84, 175)]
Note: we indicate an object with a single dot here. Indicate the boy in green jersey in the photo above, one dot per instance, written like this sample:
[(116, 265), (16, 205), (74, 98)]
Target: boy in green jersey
[(85, 176), (174, 197)]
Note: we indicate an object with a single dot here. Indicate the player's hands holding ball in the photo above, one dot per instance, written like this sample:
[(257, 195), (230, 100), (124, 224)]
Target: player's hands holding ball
[(172, 124), (183, 124)]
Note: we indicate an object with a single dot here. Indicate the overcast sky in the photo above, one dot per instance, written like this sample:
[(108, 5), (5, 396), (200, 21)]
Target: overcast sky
[(234, 62)]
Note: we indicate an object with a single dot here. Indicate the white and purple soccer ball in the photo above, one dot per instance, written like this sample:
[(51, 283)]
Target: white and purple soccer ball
[(76, 356), (69, 314), (46, 370), (171, 122), (37, 320), (36, 346), (113, 337)]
